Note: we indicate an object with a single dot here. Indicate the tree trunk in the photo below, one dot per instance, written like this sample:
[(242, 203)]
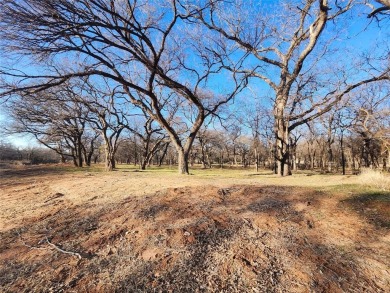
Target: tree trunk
[(295, 165), (234, 155), (135, 153), (80, 159), (282, 148), (204, 165), (79, 152), (182, 161), (330, 157), (145, 152), (293, 148), (366, 152), (75, 161), (274, 160), (144, 162), (89, 159), (312, 162), (109, 159), (113, 164), (163, 155), (74, 158), (342, 153), (209, 163), (109, 163)]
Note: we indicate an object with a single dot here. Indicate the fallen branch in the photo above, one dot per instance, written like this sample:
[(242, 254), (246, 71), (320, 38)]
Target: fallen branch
[(78, 255), (63, 251)]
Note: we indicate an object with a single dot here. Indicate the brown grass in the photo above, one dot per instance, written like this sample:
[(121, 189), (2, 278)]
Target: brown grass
[(375, 178)]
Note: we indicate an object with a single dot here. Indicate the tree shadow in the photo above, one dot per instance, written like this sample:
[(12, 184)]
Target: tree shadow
[(230, 252), (372, 206), (29, 171), (236, 239), (261, 174)]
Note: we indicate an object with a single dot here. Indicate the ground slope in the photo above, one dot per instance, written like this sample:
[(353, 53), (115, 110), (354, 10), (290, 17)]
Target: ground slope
[(155, 232)]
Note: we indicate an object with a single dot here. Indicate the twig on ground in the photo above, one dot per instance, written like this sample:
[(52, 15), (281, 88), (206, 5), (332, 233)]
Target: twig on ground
[(63, 251), (78, 255)]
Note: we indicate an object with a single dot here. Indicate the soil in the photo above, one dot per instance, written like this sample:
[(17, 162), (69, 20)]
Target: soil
[(150, 232)]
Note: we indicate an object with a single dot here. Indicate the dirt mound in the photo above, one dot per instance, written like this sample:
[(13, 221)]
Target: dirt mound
[(205, 239)]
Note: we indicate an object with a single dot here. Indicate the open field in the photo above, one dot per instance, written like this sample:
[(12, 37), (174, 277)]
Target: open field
[(218, 230)]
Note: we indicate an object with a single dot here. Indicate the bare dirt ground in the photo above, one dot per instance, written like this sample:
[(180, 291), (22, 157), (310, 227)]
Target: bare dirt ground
[(224, 231)]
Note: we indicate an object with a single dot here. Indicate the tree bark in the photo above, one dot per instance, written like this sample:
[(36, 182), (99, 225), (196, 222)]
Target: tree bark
[(109, 159), (79, 152), (295, 165), (234, 155), (74, 161), (87, 156), (330, 155), (282, 146), (342, 153), (87, 160), (145, 153), (182, 161), (163, 154)]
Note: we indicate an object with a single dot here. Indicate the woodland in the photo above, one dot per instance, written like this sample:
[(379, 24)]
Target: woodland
[(280, 85)]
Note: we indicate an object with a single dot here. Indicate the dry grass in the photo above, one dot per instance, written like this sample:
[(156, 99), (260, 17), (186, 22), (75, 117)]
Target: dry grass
[(375, 178)]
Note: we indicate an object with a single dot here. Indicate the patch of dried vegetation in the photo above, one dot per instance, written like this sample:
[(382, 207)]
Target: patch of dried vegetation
[(375, 178)]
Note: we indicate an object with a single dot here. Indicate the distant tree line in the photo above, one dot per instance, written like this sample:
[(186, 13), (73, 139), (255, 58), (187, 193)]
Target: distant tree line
[(29, 155)]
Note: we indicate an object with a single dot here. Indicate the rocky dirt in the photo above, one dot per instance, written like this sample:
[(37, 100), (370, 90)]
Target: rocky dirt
[(131, 232)]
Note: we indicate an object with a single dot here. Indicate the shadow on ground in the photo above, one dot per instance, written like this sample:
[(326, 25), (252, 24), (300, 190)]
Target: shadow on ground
[(372, 206), (22, 171), (237, 239)]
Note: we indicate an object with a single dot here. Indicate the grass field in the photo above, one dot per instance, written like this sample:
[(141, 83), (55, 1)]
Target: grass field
[(64, 229)]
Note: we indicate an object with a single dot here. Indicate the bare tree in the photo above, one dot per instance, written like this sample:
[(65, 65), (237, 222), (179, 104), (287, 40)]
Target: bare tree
[(60, 126), (234, 132), (254, 118), (371, 109), (289, 47), (109, 115), (205, 138), (140, 45), (343, 121), (151, 136)]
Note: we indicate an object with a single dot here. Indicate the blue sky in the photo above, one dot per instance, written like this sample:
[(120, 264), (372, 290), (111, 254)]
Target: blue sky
[(361, 35)]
